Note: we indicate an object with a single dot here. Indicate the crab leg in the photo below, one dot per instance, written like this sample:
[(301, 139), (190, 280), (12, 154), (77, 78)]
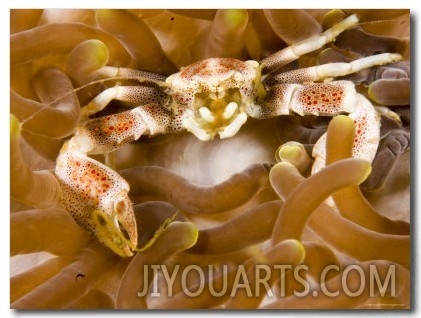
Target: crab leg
[(367, 135), (136, 95), (113, 71), (331, 70), (97, 198), (294, 51), (327, 99), (105, 134), (95, 195)]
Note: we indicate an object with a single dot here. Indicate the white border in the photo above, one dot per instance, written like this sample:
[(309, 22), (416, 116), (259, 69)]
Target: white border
[(4, 124)]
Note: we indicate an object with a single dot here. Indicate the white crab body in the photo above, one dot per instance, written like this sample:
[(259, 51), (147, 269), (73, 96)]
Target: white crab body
[(215, 94)]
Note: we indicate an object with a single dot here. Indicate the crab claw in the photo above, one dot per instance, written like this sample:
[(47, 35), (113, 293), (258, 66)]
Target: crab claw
[(97, 198), (119, 231)]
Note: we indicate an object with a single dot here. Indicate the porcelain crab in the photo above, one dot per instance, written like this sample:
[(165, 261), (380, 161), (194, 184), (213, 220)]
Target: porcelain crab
[(209, 98)]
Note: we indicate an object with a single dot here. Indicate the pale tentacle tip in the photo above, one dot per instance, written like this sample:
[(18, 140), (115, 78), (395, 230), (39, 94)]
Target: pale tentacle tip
[(15, 127), (281, 166), (233, 18), (294, 153), (299, 248), (157, 233), (366, 168), (279, 169), (343, 120)]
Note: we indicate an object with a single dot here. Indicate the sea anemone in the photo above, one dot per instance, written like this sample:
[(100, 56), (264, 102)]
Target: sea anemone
[(239, 207)]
